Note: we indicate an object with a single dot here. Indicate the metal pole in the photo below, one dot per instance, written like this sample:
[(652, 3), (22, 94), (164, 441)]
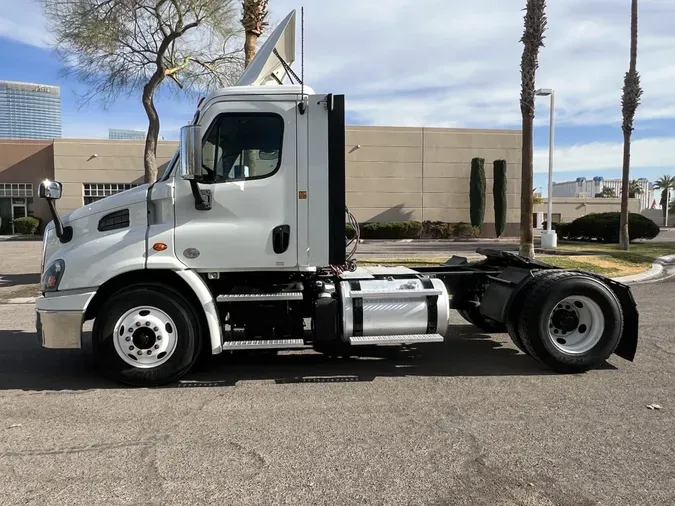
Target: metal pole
[(549, 223), (667, 190)]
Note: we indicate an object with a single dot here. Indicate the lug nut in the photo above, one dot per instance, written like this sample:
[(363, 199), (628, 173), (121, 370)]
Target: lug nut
[(159, 338), (157, 346), (128, 338), (131, 348), (147, 324), (149, 352), (138, 324), (140, 352), (156, 329)]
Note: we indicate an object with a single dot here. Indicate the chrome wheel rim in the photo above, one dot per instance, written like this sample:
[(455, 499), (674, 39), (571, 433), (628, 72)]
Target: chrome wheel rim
[(145, 337), (576, 325)]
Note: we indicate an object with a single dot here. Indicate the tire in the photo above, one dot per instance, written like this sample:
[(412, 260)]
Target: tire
[(475, 318), (161, 311), (570, 322)]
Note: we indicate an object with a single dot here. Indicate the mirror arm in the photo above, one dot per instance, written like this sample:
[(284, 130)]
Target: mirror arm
[(65, 234), (201, 204)]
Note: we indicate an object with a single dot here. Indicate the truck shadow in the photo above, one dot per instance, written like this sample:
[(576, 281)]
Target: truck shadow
[(9, 280), (24, 365)]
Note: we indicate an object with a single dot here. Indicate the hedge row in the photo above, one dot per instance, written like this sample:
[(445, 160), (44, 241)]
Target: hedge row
[(414, 230), (604, 227)]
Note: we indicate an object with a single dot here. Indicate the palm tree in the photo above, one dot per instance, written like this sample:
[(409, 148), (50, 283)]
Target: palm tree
[(629, 102), (254, 21), (533, 39), (665, 184), (634, 189)]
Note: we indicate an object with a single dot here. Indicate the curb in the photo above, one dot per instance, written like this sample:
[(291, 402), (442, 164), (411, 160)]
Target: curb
[(654, 274)]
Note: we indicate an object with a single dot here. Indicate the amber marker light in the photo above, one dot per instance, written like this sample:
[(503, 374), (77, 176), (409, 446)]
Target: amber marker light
[(159, 246)]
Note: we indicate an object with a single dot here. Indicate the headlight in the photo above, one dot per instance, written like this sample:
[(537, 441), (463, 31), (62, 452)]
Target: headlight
[(52, 276)]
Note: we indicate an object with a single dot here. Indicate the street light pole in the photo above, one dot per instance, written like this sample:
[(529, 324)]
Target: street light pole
[(549, 239)]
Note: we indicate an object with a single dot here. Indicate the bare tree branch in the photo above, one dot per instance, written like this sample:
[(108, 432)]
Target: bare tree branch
[(126, 47)]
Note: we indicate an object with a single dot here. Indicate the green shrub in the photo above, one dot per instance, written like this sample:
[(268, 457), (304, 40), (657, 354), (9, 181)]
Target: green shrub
[(391, 230), (463, 230), (499, 195), (436, 230), (349, 231), (477, 192), (604, 227), (27, 225)]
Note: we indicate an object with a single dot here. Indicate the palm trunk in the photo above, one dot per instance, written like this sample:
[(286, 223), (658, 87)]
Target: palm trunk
[(150, 154), (250, 47), (624, 237), (527, 186)]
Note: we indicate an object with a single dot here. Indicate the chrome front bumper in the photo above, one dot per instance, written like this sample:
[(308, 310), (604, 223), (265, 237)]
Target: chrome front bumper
[(59, 319)]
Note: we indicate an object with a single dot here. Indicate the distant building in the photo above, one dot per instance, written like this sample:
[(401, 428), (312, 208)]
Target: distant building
[(126, 135), (29, 111), (583, 187)]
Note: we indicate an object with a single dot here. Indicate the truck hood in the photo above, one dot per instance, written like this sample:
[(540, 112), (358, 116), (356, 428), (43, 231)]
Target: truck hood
[(111, 203)]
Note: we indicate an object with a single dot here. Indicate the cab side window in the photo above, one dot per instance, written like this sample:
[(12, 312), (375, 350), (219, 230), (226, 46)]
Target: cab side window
[(240, 147)]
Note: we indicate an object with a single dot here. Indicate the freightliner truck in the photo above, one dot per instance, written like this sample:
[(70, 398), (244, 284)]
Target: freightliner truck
[(241, 245)]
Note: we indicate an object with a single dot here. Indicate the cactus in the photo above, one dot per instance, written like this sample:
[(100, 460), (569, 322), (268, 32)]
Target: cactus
[(499, 192), (477, 192)]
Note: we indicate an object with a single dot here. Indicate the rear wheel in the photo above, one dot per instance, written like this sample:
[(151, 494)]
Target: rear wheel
[(146, 336), (570, 322)]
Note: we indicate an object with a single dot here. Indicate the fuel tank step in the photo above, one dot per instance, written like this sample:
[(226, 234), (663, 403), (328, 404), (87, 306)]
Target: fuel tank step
[(268, 344), (259, 297), (402, 339)]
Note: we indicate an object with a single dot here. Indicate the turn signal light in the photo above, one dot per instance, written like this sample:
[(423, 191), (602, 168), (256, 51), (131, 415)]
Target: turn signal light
[(159, 246)]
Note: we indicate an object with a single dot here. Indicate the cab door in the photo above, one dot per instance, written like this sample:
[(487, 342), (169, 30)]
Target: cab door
[(249, 156)]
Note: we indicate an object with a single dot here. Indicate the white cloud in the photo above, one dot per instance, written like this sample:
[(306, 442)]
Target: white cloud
[(651, 153)]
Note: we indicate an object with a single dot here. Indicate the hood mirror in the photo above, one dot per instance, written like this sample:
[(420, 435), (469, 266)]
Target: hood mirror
[(50, 190)]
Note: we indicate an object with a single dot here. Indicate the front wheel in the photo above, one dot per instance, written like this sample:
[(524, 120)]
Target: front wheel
[(570, 322), (146, 335)]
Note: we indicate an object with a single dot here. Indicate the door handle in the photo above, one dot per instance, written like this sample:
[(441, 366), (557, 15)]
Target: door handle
[(281, 237)]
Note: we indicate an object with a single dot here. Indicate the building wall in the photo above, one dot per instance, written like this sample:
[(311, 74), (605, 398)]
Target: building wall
[(80, 162), (399, 174), (393, 174), (656, 215), (569, 209), (25, 162)]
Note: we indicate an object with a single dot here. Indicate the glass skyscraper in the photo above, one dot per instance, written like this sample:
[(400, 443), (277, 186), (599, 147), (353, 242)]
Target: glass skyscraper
[(122, 134), (29, 111)]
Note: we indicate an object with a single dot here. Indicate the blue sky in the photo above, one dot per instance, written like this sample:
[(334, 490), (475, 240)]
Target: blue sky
[(458, 69)]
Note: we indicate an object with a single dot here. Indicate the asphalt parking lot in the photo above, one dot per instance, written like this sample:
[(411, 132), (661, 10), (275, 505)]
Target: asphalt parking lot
[(467, 422)]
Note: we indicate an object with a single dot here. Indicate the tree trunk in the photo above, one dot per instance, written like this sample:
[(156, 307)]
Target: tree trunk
[(150, 154), (527, 188), (250, 47), (624, 237)]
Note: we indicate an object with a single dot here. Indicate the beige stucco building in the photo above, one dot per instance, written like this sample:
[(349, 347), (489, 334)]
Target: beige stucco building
[(393, 174)]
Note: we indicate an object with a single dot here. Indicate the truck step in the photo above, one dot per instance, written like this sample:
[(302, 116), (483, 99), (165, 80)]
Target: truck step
[(402, 339), (258, 297), (268, 344)]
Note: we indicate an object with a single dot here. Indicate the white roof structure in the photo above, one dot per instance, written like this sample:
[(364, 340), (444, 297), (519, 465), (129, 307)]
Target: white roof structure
[(266, 65)]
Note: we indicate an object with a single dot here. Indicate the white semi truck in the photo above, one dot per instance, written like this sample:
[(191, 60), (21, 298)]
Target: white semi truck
[(241, 245)]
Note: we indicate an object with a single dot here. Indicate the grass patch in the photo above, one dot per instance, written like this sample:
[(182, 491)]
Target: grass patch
[(639, 253), (603, 264)]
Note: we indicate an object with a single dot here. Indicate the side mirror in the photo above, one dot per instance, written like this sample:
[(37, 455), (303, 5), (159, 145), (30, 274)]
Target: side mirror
[(50, 190), (190, 162)]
